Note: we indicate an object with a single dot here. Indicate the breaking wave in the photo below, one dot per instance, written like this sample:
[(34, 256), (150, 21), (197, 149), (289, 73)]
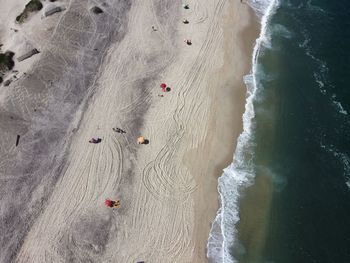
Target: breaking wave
[(240, 173)]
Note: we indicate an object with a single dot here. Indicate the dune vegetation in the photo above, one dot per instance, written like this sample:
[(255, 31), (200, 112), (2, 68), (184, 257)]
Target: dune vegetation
[(32, 6)]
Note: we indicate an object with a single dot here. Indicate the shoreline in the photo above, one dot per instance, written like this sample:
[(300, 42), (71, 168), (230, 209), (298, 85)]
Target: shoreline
[(229, 91), (255, 202)]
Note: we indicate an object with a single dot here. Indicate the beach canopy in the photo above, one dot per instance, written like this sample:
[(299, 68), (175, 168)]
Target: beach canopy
[(108, 202), (163, 85), (141, 140)]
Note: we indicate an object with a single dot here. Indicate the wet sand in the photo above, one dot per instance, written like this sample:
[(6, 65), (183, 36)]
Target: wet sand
[(104, 72)]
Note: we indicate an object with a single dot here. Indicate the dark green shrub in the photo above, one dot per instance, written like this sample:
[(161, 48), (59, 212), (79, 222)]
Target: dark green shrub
[(6, 61), (32, 6)]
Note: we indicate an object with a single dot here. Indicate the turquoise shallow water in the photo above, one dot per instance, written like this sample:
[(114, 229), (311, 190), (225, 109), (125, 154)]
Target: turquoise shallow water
[(302, 131)]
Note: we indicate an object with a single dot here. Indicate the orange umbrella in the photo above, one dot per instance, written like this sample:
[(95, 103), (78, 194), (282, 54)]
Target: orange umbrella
[(141, 140)]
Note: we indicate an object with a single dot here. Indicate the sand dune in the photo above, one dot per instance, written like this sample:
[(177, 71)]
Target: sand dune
[(167, 188)]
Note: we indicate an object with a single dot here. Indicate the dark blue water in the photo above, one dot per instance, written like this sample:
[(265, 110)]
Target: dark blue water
[(303, 132)]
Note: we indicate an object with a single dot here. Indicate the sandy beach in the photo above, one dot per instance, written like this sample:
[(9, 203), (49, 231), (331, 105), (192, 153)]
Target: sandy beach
[(96, 72)]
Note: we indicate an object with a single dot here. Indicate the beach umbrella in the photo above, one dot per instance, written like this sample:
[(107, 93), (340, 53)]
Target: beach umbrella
[(141, 140), (163, 85), (108, 202)]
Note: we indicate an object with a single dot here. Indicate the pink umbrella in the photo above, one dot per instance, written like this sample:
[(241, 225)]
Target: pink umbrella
[(108, 202), (163, 86)]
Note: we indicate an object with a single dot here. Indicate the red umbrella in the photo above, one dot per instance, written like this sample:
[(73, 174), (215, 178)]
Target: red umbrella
[(163, 85), (108, 202)]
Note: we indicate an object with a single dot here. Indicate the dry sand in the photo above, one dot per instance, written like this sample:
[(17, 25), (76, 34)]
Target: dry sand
[(107, 74)]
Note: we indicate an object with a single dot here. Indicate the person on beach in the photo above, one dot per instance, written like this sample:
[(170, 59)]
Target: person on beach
[(93, 140), (188, 42), (153, 28), (118, 130)]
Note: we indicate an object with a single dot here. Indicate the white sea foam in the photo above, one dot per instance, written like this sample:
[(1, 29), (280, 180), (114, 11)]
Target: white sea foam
[(313, 7), (282, 31), (240, 173), (339, 107), (321, 76), (348, 183), (342, 157)]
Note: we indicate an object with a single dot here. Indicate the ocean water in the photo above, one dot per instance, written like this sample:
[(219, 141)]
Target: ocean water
[(296, 134)]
